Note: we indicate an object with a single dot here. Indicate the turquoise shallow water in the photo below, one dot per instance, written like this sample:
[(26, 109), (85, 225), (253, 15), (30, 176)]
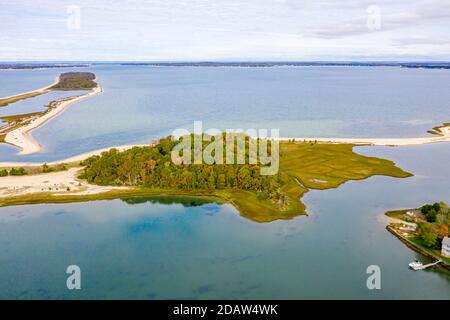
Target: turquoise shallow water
[(169, 248), (174, 248), (141, 103)]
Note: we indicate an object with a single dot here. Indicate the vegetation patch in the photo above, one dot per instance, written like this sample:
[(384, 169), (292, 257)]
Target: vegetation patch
[(303, 166), (7, 101), (438, 130), (67, 81), (423, 228), (75, 81), (20, 117), (149, 171)]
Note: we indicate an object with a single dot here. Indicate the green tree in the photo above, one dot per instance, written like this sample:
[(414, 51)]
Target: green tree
[(431, 215), (429, 239), (17, 172), (46, 168)]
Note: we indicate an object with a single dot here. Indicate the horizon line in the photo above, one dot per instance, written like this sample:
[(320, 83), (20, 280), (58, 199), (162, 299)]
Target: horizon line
[(225, 61)]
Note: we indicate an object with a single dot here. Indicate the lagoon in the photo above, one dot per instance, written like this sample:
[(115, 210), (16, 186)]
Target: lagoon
[(176, 248)]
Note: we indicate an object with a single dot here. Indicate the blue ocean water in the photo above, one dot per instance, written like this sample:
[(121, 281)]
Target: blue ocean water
[(141, 103), (175, 248), (179, 248)]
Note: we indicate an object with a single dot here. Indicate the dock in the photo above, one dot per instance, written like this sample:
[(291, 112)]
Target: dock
[(423, 267)]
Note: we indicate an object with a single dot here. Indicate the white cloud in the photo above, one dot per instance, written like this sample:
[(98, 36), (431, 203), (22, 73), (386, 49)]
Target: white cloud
[(220, 30)]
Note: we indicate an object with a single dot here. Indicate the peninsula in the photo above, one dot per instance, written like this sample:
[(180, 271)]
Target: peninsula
[(148, 171), (66, 81), (18, 128), (423, 229)]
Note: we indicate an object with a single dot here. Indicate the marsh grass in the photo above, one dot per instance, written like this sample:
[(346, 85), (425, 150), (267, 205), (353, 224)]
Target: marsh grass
[(304, 166)]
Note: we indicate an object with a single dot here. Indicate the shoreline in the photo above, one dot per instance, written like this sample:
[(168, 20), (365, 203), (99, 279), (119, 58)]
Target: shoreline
[(76, 158), (21, 137), (24, 138), (41, 184), (442, 135), (55, 183), (404, 235), (34, 93), (415, 248)]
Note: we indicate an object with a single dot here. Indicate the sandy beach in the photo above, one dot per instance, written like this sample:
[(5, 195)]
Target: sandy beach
[(443, 136), (57, 183), (21, 137)]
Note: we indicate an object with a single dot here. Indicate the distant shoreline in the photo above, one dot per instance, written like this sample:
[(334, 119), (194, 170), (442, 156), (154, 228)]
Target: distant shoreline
[(256, 64), (266, 64), (440, 134), (22, 66)]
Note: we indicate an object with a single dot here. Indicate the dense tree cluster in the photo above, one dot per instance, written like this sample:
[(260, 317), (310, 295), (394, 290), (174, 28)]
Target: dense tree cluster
[(437, 223), (152, 167), (76, 80), (13, 172)]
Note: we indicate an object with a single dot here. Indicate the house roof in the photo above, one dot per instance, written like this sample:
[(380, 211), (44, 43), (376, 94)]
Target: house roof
[(446, 241)]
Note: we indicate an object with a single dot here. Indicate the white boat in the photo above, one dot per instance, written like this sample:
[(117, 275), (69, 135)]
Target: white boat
[(415, 265)]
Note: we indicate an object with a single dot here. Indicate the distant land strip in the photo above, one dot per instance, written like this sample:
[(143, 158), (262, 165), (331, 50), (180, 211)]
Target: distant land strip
[(40, 65), (425, 65)]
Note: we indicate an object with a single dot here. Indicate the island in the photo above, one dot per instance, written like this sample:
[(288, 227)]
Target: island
[(424, 230), (149, 171), (66, 81)]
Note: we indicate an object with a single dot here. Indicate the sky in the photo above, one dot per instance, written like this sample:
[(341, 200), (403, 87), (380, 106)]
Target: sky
[(224, 30)]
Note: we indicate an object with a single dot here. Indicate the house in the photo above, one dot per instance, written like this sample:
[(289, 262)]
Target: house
[(408, 227), (445, 251)]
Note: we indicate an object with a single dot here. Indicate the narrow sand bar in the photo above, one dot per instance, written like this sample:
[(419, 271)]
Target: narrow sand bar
[(21, 136), (36, 91), (443, 136)]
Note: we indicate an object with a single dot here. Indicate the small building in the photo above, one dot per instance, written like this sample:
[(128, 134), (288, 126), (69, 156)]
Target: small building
[(445, 251), (408, 227)]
